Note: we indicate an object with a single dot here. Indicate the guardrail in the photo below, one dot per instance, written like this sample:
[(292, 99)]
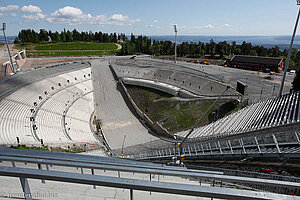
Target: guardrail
[(283, 144), (227, 184)]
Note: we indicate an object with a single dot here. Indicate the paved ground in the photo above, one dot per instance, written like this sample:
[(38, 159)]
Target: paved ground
[(258, 86), (117, 119), (12, 83)]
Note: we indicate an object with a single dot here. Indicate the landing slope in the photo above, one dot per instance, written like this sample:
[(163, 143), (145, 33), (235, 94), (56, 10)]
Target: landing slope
[(116, 118)]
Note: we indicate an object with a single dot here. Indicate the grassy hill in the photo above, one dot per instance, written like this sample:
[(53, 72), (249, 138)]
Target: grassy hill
[(68, 49), (176, 115)]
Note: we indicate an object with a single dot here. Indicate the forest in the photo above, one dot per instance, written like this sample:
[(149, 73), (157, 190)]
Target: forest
[(145, 45)]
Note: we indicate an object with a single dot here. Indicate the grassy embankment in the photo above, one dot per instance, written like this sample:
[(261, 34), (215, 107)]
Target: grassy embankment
[(68, 49), (176, 115), (72, 149)]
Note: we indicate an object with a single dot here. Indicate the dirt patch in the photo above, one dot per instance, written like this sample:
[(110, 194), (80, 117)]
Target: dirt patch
[(32, 63)]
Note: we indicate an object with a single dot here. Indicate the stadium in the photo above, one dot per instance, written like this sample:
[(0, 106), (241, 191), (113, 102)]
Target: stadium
[(85, 108), (95, 115)]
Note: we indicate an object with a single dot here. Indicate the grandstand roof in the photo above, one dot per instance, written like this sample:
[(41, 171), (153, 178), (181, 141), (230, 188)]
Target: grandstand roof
[(256, 60)]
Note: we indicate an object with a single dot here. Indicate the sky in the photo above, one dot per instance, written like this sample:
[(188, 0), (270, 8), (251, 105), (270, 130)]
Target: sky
[(155, 17)]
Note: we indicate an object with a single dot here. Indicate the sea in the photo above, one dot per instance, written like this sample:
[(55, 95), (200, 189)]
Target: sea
[(283, 42)]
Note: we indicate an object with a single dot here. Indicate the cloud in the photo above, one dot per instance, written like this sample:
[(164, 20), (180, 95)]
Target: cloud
[(2, 15), (9, 8), (115, 19), (33, 18), (73, 16), (152, 26), (13, 14), (209, 26), (68, 15), (119, 17), (155, 21), (227, 25), (31, 9)]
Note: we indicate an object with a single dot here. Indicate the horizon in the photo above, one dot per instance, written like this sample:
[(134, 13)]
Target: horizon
[(169, 35)]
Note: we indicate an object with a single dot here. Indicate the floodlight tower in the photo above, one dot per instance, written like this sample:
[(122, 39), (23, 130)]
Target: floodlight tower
[(10, 58), (175, 29), (290, 51)]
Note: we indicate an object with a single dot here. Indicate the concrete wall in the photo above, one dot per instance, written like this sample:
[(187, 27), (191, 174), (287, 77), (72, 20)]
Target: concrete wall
[(150, 84), (191, 85), (18, 59), (153, 125)]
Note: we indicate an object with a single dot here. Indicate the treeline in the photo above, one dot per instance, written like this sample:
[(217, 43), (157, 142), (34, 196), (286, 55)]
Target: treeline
[(66, 36), (143, 44)]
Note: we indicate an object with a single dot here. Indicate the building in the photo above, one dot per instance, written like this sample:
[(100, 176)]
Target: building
[(255, 63)]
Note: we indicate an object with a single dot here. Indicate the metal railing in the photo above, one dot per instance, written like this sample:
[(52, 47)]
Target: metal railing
[(254, 146), (220, 185)]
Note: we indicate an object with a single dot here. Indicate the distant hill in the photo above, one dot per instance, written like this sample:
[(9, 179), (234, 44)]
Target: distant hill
[(282, 42), (10, 39)]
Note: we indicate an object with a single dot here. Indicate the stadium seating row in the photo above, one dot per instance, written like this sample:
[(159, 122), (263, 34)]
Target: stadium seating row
[(199, 85), (36, 111), (264, 114)]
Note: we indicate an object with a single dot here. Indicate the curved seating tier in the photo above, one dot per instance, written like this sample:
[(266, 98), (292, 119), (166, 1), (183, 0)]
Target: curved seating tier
[(199, 85), (36, 111), (76, 116)]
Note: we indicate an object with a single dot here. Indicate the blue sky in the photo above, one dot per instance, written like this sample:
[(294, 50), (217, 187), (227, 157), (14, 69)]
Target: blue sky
[(155, 17)]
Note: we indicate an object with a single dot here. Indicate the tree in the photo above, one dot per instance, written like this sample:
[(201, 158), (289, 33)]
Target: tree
[(56, 37), (212, 47), (115, 38), (296, 82), (43, 35), (253, 53), (63, 36), (76, 35), (16, 41), (69, 37), (275, 52)]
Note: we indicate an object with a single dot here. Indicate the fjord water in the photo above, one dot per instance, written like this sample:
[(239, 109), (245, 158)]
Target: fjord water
[(267, 41)]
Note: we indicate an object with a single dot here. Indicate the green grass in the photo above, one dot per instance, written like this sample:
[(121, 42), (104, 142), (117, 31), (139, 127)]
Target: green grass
[(31, 53), (186, 114), (176, 115), (68, 46), (68, 49), (76, 46)]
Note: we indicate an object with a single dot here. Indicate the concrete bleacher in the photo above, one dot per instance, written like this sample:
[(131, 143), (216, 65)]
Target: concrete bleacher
[(76, 116), (269, 113), (36, 111), (49, 117), (197, 85)]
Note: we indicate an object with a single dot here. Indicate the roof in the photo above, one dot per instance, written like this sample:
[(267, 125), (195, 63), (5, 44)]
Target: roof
[(256, 60)]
